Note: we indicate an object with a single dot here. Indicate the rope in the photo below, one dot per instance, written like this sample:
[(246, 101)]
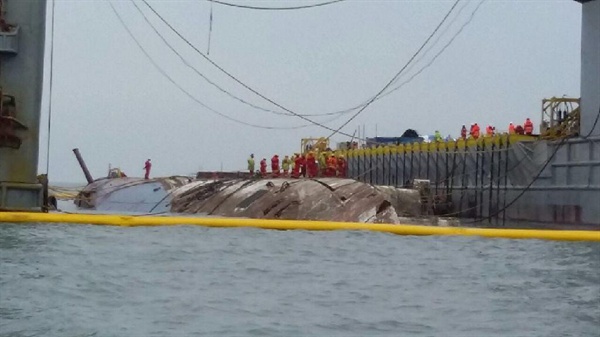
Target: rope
[(235, 78), (187, 93), (275, 8), (562, 142), (50, 90), (558, 146), (593, 126), (208, 80), (399, 72), (210, 25)]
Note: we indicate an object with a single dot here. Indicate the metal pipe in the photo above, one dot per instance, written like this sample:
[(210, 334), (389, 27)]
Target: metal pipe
[(465, 182), (397, 166), (505, 180), (481, 190), (453, 171), (498, 178), (88, 176), (491, 190), (404, 168), (477, 149)]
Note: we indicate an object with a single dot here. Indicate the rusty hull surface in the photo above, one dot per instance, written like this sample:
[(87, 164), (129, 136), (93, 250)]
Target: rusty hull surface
[(329, 199)]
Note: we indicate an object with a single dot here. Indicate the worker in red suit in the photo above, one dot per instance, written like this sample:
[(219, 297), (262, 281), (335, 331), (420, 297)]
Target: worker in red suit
[(263, 167), (341, 166), (528, 127), (463, 132), (303, 165), (331, 166), (489, 131), (147, 167), (511, 129), (311, 165), (297, 166), (475, 131), (519, 130), (275, 165)]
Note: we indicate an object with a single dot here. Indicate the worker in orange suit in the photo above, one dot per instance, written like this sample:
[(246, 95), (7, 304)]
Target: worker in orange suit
[(463, 132), (475, 131), (511, 129), (147, 167), (263, 167), (275, 165), (297, 166), (311, 165), (528, 127), (331, 166), (341, 166)]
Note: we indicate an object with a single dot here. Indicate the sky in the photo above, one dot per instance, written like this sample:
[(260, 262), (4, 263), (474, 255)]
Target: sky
[(110, 101)]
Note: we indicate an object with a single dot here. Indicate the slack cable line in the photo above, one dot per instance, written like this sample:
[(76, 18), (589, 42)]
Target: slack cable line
[(438, 54), (236, 79), (210, 24), (399, 72), (435, 57), (291, 113), (338, 131), (438, 37), (50, 88), (528, 187), (208, 80), (187, 93), (275, 8)]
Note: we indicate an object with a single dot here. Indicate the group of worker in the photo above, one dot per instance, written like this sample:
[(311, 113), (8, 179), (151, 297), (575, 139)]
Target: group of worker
[(475, 131), (302, 165)]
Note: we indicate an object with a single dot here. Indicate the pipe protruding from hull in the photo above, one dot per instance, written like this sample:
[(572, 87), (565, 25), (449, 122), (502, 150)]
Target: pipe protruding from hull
[(88, 176)]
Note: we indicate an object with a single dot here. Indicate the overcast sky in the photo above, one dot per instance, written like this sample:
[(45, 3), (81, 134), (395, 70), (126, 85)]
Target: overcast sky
[(113, 104)]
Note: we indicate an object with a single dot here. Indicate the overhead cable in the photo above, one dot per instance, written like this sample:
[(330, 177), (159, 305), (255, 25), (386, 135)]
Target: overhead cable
[(208, 80), (275, 8), (399, 72), (438, 54), (334, 113), (210, 24), (50, 89), (187, 93), (438, 37), (239, 81)]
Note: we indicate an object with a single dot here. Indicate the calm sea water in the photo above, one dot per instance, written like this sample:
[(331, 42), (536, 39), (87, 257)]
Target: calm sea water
[(81, 280)]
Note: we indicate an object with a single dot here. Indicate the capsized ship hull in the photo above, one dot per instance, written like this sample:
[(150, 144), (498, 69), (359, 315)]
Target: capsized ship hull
[(330, 199)]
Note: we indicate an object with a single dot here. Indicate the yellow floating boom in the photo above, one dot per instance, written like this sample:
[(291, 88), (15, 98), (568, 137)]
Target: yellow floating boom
[(133, 221)]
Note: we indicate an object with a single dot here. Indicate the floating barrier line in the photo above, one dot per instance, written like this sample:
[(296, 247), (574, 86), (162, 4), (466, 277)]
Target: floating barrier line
[(135, 221)]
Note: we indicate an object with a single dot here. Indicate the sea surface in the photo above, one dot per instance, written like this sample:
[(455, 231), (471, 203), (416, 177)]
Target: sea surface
[(84, 280)]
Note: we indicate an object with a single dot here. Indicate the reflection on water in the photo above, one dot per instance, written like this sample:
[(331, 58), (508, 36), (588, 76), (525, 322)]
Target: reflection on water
[(74, 280)]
